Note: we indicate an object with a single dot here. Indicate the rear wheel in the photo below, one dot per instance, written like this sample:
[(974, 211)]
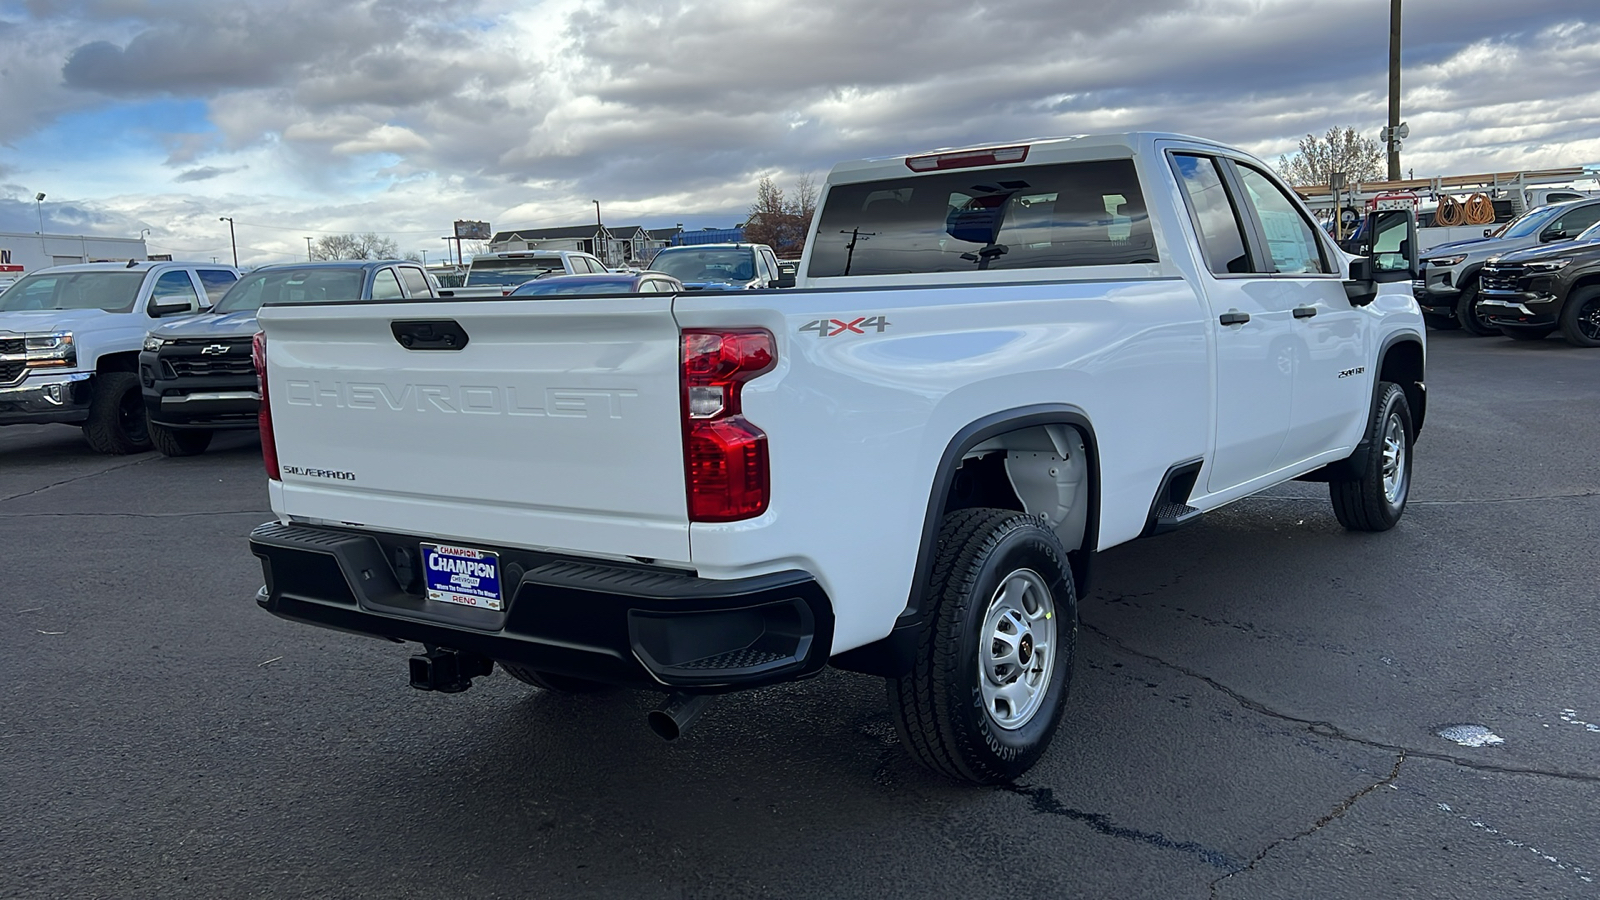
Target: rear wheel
[(994, 662), (179, 441), (117, 422), (1468, 315), (1527, 332), (550, 681), (1375, 500), (1580, 320)]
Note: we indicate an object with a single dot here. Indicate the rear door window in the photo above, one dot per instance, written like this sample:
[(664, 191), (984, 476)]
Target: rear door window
[(1215, 215), (385, 286), (1028, 217), (416, 282), (216, 282)]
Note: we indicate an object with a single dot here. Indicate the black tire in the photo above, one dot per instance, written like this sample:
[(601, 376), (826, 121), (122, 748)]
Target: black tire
[(1467, 315), (117, 423), (179, 441), (1368, 503), (1580, 318), (1441, 323), (1527, 332), (550, 681), (946, 719)]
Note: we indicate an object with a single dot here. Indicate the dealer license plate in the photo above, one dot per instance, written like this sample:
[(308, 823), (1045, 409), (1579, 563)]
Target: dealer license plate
[(462, 575)]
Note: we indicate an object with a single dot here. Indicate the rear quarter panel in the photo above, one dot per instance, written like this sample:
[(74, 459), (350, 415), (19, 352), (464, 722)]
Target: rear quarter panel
[(857, 422)]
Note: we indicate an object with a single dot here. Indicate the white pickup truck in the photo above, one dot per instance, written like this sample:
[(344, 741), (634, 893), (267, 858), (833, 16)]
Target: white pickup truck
[(70, 339), (998, 362)]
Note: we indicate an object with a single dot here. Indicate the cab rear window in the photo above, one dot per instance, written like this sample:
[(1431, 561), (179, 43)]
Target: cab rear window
[(1027, 217)]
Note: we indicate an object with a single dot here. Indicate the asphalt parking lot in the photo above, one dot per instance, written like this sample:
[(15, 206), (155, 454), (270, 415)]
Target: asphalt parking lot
[(1257, 709)]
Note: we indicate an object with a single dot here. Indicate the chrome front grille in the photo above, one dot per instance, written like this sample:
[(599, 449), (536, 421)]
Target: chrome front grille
[(1500, 279)]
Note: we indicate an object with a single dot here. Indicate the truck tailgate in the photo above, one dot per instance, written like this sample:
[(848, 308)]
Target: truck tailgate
[(555, 425)]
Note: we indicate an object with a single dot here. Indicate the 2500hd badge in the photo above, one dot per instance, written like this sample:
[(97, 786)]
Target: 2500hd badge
[(320, 473)]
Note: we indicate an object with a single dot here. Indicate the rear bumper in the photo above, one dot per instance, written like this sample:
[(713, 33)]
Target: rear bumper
[(636, 626), (47, 398)]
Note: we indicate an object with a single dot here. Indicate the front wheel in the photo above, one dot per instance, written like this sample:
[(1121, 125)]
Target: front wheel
[(1580, 320), (1469, 316), (117, 422), (994, 662), (1375, 500)]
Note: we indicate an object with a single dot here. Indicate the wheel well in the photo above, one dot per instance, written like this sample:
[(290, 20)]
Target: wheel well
[(117, 362), (1587, 281), (1403, 365), (1042, 460)]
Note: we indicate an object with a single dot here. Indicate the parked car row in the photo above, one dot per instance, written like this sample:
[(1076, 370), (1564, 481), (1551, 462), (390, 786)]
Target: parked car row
[(91, 345), (1455, 287)]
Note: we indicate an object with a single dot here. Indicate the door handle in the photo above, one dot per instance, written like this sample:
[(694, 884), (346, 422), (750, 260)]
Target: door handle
[(1234, 318), (1304, 312)]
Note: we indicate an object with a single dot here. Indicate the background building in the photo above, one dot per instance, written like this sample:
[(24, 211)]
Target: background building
[(34, 252)]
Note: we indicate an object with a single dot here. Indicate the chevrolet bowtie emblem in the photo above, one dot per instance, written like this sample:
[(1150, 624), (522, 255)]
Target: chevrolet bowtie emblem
[(215, 349)]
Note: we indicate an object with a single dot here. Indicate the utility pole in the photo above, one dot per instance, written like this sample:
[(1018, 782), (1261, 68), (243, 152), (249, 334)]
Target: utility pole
[(1394, 90), (309, 257), (599, 234)]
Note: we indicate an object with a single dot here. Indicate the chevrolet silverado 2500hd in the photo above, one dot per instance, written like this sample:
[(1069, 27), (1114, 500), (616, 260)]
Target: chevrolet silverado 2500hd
[(998, 362)]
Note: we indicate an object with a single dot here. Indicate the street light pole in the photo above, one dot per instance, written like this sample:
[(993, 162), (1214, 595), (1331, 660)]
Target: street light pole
[(38, 206), (309, 257), (229, 220), (600, 235)]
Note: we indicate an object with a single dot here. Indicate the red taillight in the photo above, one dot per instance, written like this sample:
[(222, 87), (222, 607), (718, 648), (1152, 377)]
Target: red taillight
[(724, 456), (269, 446), (965, 159)]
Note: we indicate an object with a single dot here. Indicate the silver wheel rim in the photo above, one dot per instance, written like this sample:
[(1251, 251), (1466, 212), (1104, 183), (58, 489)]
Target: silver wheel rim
[(1394, 460), (1018, 654)]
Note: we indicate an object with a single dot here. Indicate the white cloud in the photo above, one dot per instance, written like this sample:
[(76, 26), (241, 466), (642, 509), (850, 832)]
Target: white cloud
[(402, 115)]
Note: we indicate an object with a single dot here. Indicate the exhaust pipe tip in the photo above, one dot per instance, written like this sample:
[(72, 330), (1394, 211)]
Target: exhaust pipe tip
[(679, 712)]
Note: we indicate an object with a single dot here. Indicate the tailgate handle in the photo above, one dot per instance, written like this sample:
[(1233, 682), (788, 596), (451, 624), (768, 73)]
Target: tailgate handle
[(429, 334)]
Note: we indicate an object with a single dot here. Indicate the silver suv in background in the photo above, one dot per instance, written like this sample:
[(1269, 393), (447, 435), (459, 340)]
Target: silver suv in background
[(1447, 283), (722, 267)]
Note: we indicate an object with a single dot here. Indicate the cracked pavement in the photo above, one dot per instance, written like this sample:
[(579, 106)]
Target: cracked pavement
[(1254, 714)]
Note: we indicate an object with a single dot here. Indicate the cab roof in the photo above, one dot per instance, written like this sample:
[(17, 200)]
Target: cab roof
[(1040, 150)]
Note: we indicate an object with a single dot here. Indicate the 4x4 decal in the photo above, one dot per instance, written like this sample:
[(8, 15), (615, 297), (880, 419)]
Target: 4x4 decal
[(835, 327)]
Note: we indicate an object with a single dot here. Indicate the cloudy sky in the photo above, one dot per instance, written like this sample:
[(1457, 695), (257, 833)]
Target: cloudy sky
[(310, 117)]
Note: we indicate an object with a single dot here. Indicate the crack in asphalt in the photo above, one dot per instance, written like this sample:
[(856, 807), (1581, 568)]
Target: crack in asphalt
[(1330, 730), (1045, 802), (1338, 811), (56, 484)]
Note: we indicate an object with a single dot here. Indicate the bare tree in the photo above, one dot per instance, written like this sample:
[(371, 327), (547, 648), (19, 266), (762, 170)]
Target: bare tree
[(1340, 150), (779, 221), (355, 246)]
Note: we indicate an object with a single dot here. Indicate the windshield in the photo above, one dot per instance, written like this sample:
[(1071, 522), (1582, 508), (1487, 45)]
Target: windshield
[(1530, 221), (110, 291), (587, 286), (1590, 235), (291, 286), (727, 265), (511, 271)]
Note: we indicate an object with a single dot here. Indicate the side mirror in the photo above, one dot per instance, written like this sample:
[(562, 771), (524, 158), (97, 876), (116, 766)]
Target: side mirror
[(1360, 287), (1550, 237), (171, 307)]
